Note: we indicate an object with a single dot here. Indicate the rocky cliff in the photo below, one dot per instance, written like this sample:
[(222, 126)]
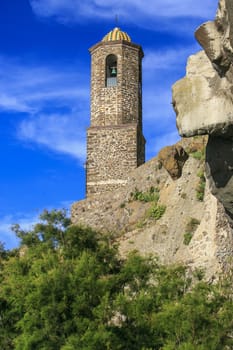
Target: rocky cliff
[(166, 209), (203, 101), (179, 205)]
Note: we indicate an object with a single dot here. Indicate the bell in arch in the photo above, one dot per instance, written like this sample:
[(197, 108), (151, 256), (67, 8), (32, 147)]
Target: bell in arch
[(113, 71)]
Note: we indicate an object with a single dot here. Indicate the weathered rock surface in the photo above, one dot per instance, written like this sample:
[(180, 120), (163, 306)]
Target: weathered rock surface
[(173, 159), (203, 100), (118, 212), (216, 38)]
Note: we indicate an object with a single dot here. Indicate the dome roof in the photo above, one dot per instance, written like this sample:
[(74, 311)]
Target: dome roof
[(116, 34)]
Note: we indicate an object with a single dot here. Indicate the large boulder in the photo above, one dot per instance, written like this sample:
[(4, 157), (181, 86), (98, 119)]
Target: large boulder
[(173, 159), (203, 100)]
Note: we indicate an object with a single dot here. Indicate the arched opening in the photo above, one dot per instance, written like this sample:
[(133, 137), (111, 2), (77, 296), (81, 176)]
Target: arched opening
[(111, 71)]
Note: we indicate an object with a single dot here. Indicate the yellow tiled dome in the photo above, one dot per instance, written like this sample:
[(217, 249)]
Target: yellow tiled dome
[(116, 34)]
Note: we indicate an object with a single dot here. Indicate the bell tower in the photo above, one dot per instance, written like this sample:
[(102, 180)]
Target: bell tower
[(115, 143)]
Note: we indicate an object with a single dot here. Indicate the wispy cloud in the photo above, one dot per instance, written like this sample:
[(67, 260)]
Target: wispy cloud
[(55, 101), (29, 88), (76, 10), (60, 133), (13, 103)]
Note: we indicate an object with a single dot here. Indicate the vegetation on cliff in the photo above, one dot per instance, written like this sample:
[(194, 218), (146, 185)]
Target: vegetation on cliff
[(67, 288)]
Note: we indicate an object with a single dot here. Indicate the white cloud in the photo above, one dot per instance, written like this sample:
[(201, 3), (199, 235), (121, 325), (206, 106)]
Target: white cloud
[(12, 103), (55, 100), (130, 10), (59, 133), (28, 88)]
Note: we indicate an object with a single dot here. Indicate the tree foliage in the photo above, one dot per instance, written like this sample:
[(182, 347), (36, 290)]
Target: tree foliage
[(66, 288)]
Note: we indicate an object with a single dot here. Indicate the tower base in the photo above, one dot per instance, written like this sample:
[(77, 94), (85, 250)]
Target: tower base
[(112, 152)]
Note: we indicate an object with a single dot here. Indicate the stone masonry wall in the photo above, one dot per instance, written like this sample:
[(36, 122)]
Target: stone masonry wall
[(122, 103), (112, 153), (115, 143)]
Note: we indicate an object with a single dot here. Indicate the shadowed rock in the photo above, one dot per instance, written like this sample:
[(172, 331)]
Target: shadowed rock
[(219, 170)]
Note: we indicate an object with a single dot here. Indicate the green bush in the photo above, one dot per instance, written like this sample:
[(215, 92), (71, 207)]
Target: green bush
[(157, 211), (200, 155), (67, 288), (150, 196)]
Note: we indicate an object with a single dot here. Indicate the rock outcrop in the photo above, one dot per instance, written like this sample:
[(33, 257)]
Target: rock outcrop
[(130, 215), (173, 159), (203, 101)]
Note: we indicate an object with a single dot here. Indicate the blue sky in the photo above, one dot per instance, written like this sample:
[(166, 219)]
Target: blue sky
[(44, 90)]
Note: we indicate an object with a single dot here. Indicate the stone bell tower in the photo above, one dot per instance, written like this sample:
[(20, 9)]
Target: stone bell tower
[(115, 143)]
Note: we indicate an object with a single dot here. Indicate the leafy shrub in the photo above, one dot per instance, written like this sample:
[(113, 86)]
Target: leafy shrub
[(157, 211), (199, 274), (200, 155), (150, 196), (71, 290)]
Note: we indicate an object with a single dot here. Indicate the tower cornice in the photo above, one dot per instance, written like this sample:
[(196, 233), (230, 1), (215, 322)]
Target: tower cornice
[(116, 43)]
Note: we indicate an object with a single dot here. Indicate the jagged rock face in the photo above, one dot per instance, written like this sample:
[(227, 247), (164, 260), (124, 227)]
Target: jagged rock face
[(203, 100), (215, 38), (127, 218)]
